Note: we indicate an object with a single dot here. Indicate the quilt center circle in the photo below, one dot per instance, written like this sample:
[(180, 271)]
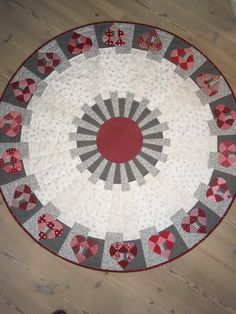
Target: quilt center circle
[(119, 139)]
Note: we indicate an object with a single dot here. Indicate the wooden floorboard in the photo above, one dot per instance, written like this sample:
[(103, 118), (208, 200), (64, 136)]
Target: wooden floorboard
[(33, 281)]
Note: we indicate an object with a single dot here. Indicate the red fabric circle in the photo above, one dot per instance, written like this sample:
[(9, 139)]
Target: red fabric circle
[(119, 139)]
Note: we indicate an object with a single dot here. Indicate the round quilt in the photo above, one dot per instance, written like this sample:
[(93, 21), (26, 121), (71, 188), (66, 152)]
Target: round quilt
[(118, 146)]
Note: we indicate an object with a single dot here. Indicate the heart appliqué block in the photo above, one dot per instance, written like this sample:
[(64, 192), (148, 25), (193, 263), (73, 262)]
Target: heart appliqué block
[(195, 221), (150, 41), (23, 198), (10, 124), (47, 62), (23, 89), (209, 83), (123, 252), (48, 227), (79, 43), (218, 191), (11, 161), (162, 243), (183, 57), (114, 36), (227, 156), (83, 248), (225, 116)]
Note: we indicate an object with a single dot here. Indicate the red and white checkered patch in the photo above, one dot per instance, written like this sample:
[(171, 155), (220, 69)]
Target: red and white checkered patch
[(218, 191), (10, 124), (150, 41), (227, 156), (114, 36), (183, 57), (11, 161), (225, 116), (23, 198), (209, 83), (79, 43), (195, 221), (55, 228), (83, 248), (162, 243), (47, 62), (123, 252), (23, 89)]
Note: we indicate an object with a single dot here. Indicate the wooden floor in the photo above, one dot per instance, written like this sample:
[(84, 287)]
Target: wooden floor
[(32, 280)]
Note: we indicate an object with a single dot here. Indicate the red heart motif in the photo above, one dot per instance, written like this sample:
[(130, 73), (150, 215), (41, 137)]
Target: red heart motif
[(113, 36), (150, 41), (209, 83), (83, 248), (47, 221), (23, 89), (227, 149), (218, 191), (11, 161), (123, 252), (225, 116), (79, 43), (47, 62), (162, 243), (195, 221), (10, 124), (183, 57), (23, 198)]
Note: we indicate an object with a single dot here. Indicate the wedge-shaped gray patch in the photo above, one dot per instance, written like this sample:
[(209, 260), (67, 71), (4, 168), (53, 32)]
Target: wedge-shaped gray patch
[(87, 163), (90, 112), (110, 177), (115, 103), (128, 103)]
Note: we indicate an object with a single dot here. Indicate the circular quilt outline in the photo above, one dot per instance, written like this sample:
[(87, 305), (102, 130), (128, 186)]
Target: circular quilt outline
[(233, 196)]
